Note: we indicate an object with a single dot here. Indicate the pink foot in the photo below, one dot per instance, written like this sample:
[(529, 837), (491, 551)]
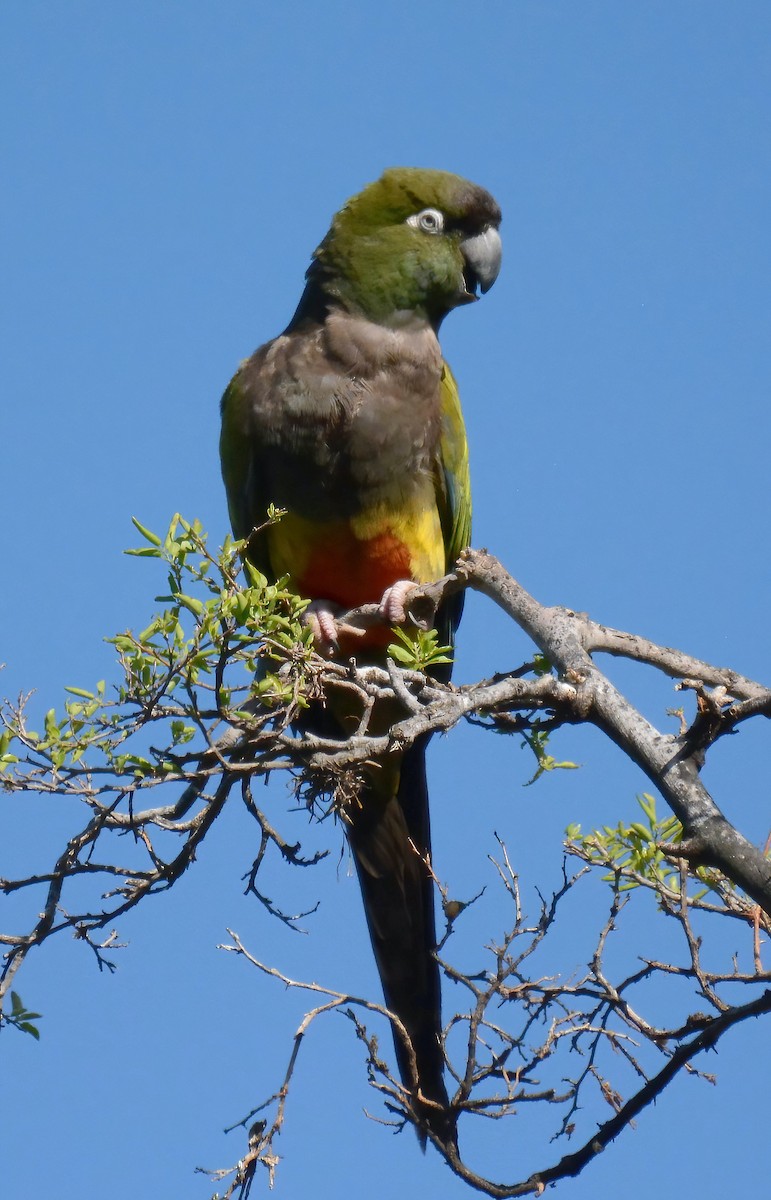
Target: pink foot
[(392, 605), (320, 617)]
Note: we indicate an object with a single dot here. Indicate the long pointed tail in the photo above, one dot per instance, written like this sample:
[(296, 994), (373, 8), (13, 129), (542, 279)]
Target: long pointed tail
[(390, 837)]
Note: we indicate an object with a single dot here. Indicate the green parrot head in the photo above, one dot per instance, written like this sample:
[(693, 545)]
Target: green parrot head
[(417, 243)]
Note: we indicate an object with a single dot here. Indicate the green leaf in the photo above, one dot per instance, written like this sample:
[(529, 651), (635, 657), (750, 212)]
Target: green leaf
[(21, 1018), (196, 607), (146, 533), (255, 577), (418, 649), (648, 805)]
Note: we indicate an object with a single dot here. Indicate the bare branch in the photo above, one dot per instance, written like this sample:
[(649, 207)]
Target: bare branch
[(224, 704)]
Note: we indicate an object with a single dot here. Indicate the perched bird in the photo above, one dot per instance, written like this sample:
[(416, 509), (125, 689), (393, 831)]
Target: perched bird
[(350, 421)]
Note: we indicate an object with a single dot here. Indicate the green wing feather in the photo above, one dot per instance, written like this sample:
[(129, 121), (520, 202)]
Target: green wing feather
[(453, 491), (247, 498)]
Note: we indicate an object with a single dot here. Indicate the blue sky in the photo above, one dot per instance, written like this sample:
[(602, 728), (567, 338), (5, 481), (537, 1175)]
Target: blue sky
[(167, 170)]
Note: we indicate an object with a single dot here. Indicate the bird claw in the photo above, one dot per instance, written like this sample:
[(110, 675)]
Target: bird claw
[(392, 607), (320, 619)]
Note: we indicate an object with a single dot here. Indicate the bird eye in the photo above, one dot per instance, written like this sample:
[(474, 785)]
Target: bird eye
[(430, 220)]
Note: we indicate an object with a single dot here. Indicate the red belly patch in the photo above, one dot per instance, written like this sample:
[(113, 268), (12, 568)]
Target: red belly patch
[(351, 572)]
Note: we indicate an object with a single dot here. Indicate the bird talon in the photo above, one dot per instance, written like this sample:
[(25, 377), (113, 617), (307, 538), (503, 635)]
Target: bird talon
[(320, 619), (392, 607)]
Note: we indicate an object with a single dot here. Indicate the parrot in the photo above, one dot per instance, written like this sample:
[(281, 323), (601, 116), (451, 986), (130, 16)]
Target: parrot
[(350, 422)]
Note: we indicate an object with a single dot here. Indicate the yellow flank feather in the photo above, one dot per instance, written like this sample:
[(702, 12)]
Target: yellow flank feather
[(417, 529)]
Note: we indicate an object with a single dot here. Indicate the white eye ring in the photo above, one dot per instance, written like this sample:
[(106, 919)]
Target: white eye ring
[(430, 220)]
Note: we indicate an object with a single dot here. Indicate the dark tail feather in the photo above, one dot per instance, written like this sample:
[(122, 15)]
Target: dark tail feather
[(390, 837)]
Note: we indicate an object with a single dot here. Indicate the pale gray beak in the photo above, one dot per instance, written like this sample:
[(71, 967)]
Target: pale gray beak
[(482, 254)]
